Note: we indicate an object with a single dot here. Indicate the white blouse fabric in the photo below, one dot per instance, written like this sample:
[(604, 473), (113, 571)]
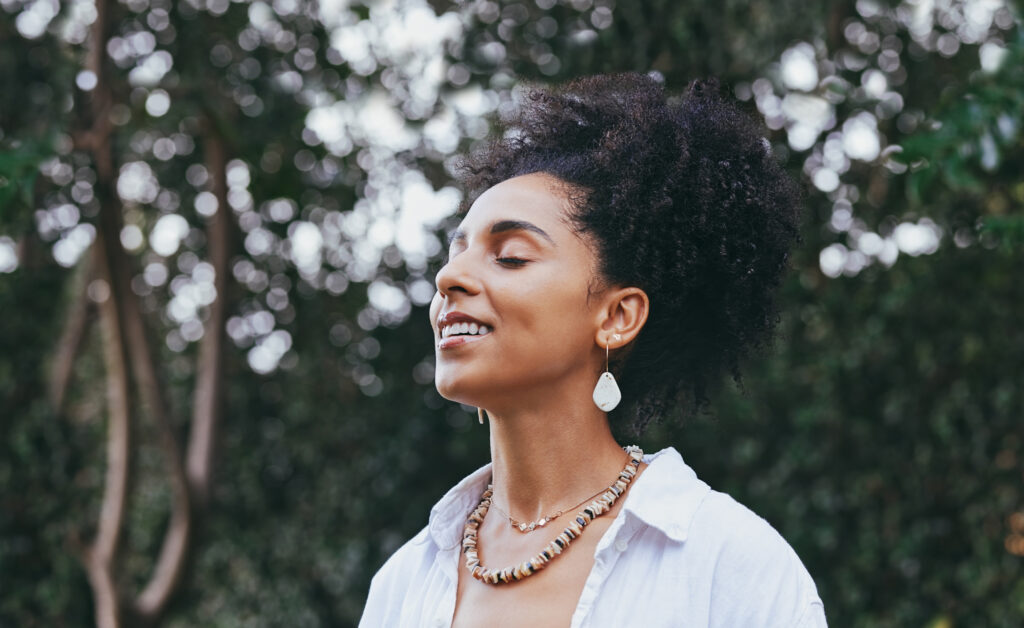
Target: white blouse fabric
[(677, 554)]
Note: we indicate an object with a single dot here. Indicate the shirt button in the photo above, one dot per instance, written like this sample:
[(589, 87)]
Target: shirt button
[(621, 545), (439, 622)]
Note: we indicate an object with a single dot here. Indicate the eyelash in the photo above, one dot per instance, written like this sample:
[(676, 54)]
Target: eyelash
[(512, 261)]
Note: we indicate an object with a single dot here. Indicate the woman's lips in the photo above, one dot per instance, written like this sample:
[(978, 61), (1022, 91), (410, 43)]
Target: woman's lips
[(457, 329), (457, 341)]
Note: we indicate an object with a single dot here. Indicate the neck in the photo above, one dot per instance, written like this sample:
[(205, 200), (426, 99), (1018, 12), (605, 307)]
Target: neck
[(551, 454)]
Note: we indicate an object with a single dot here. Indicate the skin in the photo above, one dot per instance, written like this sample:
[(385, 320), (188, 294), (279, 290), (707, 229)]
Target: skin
[(551, 447)]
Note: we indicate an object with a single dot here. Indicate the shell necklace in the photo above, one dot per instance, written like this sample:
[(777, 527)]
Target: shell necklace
[(602, 504)]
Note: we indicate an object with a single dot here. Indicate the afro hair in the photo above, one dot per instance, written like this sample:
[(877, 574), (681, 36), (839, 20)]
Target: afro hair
[(682, 198)]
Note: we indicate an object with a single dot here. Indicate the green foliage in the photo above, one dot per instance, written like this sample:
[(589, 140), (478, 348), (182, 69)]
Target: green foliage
[(18, 170), (35, 88), (896, 472), (977, 150), (43, 467), (977, 132)]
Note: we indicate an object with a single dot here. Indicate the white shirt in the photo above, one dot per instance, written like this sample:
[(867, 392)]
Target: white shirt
[(677, 554)]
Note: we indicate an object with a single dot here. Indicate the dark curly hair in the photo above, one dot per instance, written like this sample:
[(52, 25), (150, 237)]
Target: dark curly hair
[(683, 199)]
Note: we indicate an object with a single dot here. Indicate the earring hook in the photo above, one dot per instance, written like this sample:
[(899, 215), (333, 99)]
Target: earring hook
[(617, 337)]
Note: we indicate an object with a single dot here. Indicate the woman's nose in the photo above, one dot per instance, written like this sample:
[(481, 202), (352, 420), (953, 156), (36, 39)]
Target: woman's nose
[(457, 276)]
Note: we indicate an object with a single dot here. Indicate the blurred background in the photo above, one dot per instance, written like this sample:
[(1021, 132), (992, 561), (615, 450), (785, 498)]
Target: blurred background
[(219, 225)]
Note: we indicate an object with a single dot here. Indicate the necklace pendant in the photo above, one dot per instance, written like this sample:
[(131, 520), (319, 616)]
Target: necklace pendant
[(526, 528)]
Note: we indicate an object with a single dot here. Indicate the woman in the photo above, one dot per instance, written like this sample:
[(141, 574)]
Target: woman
[(623, 245)]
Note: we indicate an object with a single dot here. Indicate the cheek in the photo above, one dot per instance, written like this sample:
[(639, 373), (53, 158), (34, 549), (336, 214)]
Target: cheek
[(554, 324), (435, 308), (561, 342)]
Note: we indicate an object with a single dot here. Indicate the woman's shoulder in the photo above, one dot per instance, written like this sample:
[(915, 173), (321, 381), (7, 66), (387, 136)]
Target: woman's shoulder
[(675, 499), (752, 575), (723, 522), (753, 562)]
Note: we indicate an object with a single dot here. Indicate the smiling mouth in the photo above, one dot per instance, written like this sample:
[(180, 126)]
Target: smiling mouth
[(464, 329)]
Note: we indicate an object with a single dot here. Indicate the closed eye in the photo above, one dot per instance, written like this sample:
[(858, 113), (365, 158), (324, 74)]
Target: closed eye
[(512, 261)]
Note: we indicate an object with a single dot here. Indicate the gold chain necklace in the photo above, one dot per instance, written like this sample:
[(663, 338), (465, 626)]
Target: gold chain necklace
[(594, 510), (529, 526)]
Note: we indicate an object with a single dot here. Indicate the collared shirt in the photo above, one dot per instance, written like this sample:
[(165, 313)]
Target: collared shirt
[(677, 554)]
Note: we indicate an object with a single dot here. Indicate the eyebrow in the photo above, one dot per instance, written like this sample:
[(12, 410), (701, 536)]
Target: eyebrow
[(503, 226)]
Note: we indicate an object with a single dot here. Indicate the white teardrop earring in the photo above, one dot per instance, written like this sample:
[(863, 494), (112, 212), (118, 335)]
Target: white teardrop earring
[(606, 393), (480, 415)]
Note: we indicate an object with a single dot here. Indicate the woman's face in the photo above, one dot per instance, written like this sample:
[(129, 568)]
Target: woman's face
[(518, 276)]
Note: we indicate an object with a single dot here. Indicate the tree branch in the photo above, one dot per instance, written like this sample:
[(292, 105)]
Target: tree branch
[(76, 323), (170, 563), (171, 560), (207, 400), (101, 553), (127, 347)]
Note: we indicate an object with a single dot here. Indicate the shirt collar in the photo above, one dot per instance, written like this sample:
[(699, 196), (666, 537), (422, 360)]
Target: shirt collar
[(448, 516), (666, 497)]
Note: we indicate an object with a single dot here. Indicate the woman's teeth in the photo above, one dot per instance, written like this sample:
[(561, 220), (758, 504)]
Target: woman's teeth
[(458, 329)]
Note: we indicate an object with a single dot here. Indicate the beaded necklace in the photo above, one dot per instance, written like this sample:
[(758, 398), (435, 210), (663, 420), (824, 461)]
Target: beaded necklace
[(592, 511)]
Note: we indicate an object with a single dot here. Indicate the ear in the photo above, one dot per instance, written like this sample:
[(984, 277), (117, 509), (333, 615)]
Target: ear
[(621, 317)]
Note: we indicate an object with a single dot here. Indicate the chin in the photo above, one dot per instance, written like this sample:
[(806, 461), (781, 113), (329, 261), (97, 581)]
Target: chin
[(449, 389), (459, 389)]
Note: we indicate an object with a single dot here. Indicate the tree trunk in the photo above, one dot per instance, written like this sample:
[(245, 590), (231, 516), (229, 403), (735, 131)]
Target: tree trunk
[(209, 386), (100, 556), (77, 321), (127, 350), (206, 406)]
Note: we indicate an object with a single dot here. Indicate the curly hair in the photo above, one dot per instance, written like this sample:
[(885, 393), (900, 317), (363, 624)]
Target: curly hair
[(682, 198)]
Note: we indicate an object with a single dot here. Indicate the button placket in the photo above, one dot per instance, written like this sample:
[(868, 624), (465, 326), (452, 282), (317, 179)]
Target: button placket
[(604, 562)]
